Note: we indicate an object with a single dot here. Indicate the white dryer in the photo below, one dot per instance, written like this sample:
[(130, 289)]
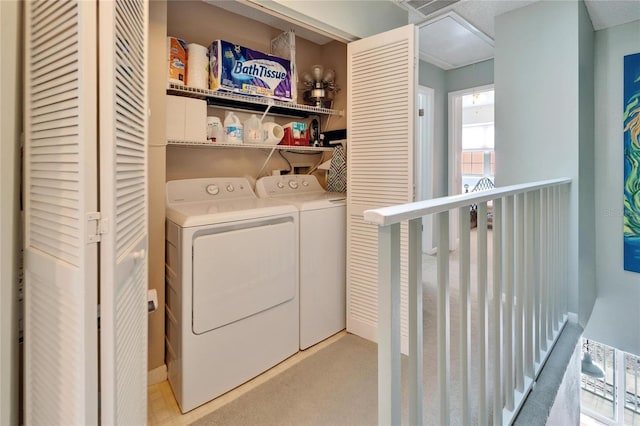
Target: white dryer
[(322, 252), (232, 286)]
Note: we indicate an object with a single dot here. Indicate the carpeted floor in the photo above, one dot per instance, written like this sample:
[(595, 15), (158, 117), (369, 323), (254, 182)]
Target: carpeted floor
[(338, 385)]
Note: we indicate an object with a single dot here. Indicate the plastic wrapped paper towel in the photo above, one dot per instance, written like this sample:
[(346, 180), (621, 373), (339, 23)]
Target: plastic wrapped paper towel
[(197, 66)]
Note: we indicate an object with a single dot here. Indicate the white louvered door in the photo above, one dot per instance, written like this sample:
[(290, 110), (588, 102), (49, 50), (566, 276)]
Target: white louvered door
[(123, 202), (382, 106), (61, 260)]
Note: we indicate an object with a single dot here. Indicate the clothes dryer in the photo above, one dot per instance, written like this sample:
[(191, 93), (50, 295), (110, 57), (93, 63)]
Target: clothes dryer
[(322, 252), (232, 286)]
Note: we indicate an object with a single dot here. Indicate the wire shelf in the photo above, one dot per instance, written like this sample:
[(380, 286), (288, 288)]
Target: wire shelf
[(245, 101), (246, 145)]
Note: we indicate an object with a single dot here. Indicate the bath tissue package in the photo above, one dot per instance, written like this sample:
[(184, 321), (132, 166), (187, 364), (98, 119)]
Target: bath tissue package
[(239, 69)]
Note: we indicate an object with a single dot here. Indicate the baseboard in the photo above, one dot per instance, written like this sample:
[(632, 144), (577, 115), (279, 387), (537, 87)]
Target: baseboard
[(370, 332), (157, 375), (573, 317)]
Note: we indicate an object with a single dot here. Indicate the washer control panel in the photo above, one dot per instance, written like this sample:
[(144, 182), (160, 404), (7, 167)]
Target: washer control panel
[(270, 186)]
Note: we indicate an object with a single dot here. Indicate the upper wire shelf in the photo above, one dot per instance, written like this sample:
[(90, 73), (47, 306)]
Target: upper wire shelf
[(253, 103)]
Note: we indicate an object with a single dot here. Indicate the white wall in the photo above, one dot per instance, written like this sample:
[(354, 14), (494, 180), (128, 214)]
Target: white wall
[(616, 314), (10, 116), (537, 115), (431, 76), (349, 20)]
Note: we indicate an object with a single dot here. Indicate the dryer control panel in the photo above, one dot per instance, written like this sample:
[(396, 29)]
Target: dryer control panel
[(208, 189), (270, 186)]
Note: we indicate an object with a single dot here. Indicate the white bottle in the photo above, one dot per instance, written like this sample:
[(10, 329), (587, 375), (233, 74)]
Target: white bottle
[(232, 128), (215, 131), (253, 130)]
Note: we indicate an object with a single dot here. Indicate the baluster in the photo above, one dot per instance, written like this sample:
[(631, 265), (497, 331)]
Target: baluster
[(544, 276), (497, 313), (558, 256), (519, 282), (465, 312), (550, 242), (443, 317), (508, 304), (529, 270), (537, 275), (389, 324), (483, 309), (415, 322)]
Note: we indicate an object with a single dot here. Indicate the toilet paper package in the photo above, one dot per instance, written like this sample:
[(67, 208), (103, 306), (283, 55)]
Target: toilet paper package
[(239, 69)]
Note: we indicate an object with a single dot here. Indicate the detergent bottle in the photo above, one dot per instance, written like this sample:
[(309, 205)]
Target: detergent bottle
[(232, 128), (253, 130)]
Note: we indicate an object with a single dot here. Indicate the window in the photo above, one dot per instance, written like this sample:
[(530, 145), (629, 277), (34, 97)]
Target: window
[(614, 399)]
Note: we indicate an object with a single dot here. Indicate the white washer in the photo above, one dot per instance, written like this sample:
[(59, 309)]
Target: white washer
[(322, 252), (232, 286)]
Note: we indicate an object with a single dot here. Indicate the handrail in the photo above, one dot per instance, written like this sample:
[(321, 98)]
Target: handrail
[(385, 216)]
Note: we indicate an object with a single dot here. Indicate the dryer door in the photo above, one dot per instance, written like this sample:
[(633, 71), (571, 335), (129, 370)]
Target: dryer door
[(242, 270)]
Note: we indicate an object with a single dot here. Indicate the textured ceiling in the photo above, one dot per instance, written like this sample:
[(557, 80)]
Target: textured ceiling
[(481, 15)]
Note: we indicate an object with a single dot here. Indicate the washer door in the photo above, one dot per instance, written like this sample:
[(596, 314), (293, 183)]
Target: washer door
[(241, 271)]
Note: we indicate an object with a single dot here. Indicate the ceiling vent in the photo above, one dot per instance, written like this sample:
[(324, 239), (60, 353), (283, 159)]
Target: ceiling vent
[(449, 41), (428, 7)]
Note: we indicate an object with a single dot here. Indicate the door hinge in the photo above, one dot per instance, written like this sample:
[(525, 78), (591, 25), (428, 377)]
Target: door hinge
[(421, 112), (97, 226)]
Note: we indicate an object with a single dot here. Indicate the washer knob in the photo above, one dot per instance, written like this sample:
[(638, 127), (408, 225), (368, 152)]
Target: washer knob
[(293, 184), (305, 183), (213, 189), (230, 188), (280, 185)]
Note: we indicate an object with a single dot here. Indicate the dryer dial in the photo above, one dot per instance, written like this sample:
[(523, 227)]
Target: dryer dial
[(293, 184), (213, 189), (230, 188)]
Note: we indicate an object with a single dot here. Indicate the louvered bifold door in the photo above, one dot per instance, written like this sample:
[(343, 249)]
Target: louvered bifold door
[(382, 100), (60, 166), (123, 201)]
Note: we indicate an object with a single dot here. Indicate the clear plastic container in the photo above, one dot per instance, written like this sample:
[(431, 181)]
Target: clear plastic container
[(233, 129), (253, 130)]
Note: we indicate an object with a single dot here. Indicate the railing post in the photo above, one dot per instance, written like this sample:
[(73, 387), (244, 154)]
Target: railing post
[(389, 325), (465, 312), (415, 322), (483, 310), (497, 312), (443, 317)]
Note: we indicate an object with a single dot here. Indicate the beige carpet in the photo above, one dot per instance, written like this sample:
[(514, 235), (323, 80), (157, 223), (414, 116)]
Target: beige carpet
[(338, 385)]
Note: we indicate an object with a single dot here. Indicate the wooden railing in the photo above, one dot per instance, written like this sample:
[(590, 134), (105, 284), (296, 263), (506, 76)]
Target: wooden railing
[(529, 261)]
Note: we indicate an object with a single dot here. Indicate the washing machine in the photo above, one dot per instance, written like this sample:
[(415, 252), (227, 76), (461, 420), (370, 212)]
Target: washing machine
[(322, 252), (231, 286)]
